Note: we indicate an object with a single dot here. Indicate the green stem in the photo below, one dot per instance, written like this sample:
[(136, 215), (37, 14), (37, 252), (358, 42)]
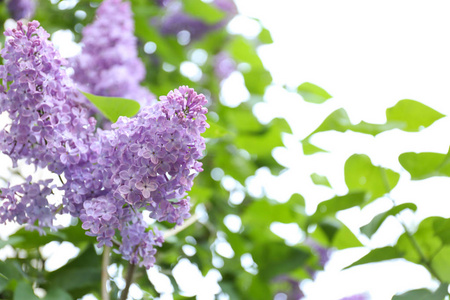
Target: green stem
[(187, 223), (105, 264), (129, 281), (423, 260)]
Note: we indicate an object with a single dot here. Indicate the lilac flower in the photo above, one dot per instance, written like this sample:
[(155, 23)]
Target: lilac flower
[(108, 64), (21, 9), (162, 3), (100, 217), (356, 297), (322, 252), (156, 153), (294, 292), (27, 204), (147, 162), (137, 243), (224, 65), (176, 20), (38, 96), (147, 186)]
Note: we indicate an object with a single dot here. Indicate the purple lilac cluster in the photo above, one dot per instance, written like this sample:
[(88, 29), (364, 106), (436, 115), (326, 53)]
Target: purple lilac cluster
[(224, 65), (21, 9), (176, 20), (47, 126), (153, 157), (147, 162), (356, 297), (294, 291), (108, 64), (28, 204)]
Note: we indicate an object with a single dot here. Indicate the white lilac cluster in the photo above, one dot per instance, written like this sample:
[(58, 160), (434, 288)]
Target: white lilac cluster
[(109, 64), (144, 163)]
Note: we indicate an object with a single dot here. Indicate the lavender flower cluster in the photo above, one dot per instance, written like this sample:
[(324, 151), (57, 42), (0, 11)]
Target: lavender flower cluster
[(176, 20), (109, 63), (21, 9), (144, 163)]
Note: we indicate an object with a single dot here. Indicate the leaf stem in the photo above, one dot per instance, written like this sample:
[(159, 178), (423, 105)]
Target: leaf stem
[(423, 260), (186, 224), (104, 279), (60, 178)]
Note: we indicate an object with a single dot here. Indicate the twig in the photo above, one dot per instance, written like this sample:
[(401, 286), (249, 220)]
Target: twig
[(424, 261), (60, 178), (105, 264), (187, 223), (116, 242), (129, 281)]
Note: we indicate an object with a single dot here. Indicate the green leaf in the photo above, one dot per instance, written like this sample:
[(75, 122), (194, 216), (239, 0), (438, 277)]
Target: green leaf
[(203, 11), (256, 80), (26, 239), (262, 143), (376, 222), (3, 276), (241, 119), (277, 258), (441, 229), (24, 291), (333, 233), (345, 238), (233, 163), (412, 115), (309, 148), (424, 294), (313, 93), (265, 37), (264, 212), (12, 272), (339, 121), (426, 164), (168, 49), (215, 131), (441, 263), (431, 235), (337, 203), (320, 180), (79, 276), (377, 255), (57, 294), (113, 107), (407, 115), (243, 51), (361, 175), (12, 241)]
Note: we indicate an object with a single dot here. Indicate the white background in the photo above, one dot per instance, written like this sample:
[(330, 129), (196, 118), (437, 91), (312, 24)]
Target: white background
[(368, 55)]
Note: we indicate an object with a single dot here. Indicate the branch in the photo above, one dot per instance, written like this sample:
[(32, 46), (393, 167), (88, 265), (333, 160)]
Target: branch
[(186, 224), (105, 263), (60, 179), (129, 281), (425, 262)]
